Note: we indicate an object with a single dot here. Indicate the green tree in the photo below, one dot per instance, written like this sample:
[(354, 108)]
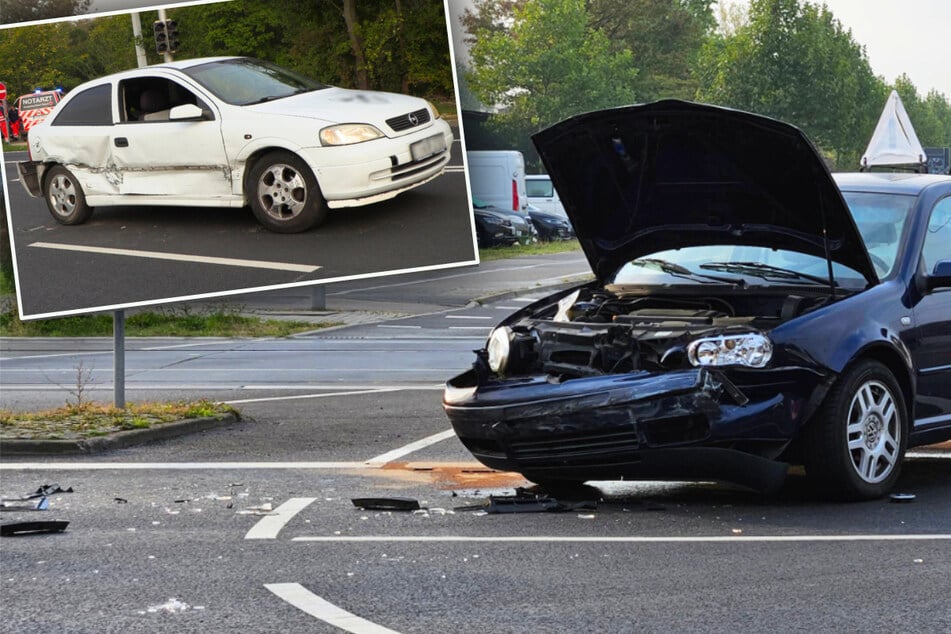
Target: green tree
[(664, 38), (12, 11), (795, 62), (547, 65)]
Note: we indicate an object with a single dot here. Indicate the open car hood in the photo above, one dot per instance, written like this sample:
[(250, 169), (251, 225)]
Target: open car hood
[(641, 179)]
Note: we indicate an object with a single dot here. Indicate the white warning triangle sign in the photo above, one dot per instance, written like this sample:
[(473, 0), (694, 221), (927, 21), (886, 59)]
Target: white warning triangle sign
[(894, 141)]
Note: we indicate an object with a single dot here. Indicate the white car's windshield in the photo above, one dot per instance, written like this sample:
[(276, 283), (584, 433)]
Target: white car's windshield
[(881, 220), (245, 81)]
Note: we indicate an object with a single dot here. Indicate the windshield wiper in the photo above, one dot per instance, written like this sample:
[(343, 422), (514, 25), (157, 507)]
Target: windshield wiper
[(765, 271), (672, 268)]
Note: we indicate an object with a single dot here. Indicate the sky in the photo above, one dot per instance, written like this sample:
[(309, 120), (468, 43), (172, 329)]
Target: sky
[(900, 36)]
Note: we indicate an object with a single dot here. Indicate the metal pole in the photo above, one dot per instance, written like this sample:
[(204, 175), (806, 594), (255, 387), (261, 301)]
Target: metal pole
[(318, 297), (140, 58), (118, 358)]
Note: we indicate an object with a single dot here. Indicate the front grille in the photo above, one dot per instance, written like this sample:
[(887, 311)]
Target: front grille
[(675, 430), (409, 120), (575, 449)]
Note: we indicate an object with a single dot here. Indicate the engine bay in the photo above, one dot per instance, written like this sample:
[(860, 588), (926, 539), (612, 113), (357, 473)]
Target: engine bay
[(596, 331)]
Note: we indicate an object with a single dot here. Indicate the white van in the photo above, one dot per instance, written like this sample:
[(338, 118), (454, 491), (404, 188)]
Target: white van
[(498, 178), (542, 194)]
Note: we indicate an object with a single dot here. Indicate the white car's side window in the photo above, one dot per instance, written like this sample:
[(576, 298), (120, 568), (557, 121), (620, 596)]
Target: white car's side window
[(152, 98)]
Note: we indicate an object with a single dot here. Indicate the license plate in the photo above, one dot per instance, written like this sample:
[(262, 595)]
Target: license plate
[(427, 147)]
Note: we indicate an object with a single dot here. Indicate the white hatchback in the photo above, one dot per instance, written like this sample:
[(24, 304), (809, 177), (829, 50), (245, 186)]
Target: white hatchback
[(231, 132)]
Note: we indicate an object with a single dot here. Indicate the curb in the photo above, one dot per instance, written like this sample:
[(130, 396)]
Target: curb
[(548, 289), (117, 440)]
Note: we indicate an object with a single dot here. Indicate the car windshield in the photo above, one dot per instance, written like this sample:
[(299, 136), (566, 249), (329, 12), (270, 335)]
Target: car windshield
[(245, 81), (881, 220)]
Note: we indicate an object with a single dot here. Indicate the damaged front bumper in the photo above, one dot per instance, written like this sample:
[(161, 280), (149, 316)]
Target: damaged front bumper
[(685, 424)]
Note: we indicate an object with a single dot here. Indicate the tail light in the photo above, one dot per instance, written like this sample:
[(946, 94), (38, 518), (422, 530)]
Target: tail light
[(515, 201)]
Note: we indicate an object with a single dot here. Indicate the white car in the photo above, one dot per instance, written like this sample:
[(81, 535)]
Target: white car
[(542, 194), (231, 132)]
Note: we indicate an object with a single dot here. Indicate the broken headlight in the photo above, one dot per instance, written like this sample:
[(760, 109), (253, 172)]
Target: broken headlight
[(510, 351), (499, 347), (752, 350)]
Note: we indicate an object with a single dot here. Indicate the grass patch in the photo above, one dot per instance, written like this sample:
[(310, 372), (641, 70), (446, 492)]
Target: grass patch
[(19, 146), (87, 420), (164, 324), (538, 248)]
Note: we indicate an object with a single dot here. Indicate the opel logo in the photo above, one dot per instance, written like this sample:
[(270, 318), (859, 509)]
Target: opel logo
[(413, 119)]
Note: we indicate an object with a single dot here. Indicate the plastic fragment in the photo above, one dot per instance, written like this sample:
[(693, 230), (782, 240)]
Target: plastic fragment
[(386, 504), (28, 528)]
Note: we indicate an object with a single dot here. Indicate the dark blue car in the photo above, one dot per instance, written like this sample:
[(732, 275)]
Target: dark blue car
[(749, 312)]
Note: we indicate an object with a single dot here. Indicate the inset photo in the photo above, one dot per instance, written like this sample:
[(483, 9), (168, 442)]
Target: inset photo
[(187, 152)]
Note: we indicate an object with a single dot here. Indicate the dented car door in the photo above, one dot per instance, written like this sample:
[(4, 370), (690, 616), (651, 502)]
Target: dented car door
[(168, 142)]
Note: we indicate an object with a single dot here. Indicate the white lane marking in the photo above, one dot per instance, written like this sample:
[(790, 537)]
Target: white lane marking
[(270, 525), (395, 326), (470, 327), (304, 396), (711, 539), (179, 257), (306, 601), (357, 389), (390, 456), (469, 317), (506, 307), (172, 466), (937, 454), (522, 300)]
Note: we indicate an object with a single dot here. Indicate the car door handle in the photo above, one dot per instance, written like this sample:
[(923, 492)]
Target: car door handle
[(121, 141)]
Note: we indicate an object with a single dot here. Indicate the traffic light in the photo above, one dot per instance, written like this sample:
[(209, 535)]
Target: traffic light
[(161, 36), (171, 28)]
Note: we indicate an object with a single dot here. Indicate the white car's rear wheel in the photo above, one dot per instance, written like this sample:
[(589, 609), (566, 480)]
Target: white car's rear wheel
[(284, 194), (65, 198)]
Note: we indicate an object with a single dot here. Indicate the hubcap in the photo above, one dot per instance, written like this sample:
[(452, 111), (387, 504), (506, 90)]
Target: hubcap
[(62, 195), (282, 192), (874, 432)]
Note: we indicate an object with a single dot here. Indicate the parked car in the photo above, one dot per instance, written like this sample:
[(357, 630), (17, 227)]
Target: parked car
[(501, 227), (498, 178), (542, 194), (231, 132), (550, 227), (748, 312)]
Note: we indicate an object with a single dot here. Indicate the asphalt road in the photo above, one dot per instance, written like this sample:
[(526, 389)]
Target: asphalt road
[(162, 247), (165, 537)]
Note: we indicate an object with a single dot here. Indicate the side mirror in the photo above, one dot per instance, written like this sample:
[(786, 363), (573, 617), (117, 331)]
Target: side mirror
[(941, 276), (186, 112)]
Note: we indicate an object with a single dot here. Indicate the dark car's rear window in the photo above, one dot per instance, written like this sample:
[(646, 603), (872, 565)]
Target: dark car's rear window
[(90, 107)]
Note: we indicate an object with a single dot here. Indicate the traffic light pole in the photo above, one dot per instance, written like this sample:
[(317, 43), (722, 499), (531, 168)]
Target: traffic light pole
[(140, 58)]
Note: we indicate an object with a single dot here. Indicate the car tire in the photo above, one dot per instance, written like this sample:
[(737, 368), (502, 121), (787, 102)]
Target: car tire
[(856, 441), (284, 194), (64, 197)]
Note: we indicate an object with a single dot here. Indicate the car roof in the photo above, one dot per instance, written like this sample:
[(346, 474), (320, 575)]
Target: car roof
[(895, 182), (188, 63)]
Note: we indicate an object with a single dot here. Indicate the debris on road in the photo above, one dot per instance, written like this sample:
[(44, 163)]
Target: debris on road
[(43, 504), (29, 528), (902, 497), (525, 502), (387, 504)]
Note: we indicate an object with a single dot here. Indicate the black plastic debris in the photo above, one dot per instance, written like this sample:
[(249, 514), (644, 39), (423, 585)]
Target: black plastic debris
[(28, 528), (525, 502), (121, 500), (386, 504), (43, 492)]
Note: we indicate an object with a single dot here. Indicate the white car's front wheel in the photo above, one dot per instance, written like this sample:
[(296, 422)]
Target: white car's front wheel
[(65, 198), (284, 194)]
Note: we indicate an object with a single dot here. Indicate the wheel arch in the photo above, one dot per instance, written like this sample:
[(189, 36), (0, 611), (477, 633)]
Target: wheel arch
[(898, 365), (260, 152)]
